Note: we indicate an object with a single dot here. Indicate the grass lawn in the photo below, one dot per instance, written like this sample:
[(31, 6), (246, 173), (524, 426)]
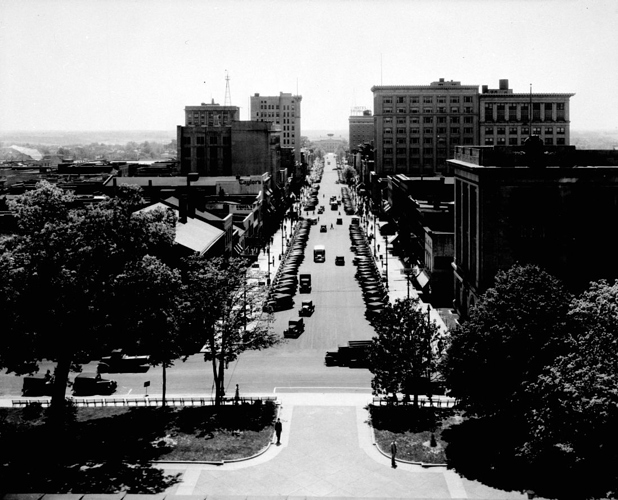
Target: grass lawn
[(111, 449), (412, 429)]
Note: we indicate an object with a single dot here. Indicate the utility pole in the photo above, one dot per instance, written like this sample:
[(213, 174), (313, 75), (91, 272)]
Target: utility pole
[(228, 97)]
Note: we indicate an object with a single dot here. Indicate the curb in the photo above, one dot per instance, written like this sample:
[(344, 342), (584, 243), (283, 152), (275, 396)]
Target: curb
[(222, 462), (409, 462)]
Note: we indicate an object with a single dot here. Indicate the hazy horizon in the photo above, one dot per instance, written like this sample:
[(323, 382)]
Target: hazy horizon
[(107, 65)]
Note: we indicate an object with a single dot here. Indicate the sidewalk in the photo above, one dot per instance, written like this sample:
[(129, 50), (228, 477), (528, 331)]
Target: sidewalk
[(327, 451)]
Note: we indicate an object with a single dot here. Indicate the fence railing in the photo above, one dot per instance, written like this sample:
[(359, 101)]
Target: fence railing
[(147, 401), (423, 401)]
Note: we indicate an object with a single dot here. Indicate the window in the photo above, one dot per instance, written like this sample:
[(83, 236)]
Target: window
[(414, 100), (512, 141), (401, 140), (388, 110), (401, 162), (388, 130), (560, 141), (525, 131), (454, 100), (467, 141), (415, 151), (441, 119), (489, 140), (468, 130), (388, 140), (428, 119), (454, 109), (428, 131), (501, 130), (513, 130), (414, 140), (387, 100), (401, 100), (401, 130), (401, 110), (468, 109), (415, 119), (489, 130), (201, 140), (388, 121), (428, 140), (560, 130), (441, 99), (388, 151), (401, 151), (501, 141), (441, 109), (454, 119), (455, 131), (414, 110), (468, 119), (427, 151), (427, 110), (468, 98), (560, 106), (401, 121), (427, 100), (186, 141), (441, 130), (415, 131), (549, 130), (549, 141), (536, 130)]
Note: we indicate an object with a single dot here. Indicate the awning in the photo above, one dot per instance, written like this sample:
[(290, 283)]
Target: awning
[(386, 206), (391, 239), (238, 249), (422, 279)]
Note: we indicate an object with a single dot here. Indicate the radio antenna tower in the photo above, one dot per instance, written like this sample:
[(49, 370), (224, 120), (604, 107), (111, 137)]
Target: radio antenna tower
[(228, 97)]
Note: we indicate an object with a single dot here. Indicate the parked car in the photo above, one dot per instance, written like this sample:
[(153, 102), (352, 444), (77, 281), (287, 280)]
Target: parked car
[(305, 283), (307, 308), (37, 385), (339, 221), (89, 384), (118, 361), (323, 228), (339, 260)]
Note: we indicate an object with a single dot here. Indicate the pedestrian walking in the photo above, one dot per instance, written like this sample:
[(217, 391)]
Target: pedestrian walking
[(393, 454), (278, 429), (237, 395)]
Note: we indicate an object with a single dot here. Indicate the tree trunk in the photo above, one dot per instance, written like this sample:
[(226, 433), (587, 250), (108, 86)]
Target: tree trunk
[(215, 377), (58, 399), (164, 384)]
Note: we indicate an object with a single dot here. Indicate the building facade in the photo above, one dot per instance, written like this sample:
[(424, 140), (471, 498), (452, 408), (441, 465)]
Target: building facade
[(417, 125), (508, 119), (542, 205), (284, 111), (330, 143), (361, 129)]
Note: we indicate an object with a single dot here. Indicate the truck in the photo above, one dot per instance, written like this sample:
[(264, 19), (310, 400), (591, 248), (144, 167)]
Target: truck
[(295, 328), (119, 361), (305, 283)]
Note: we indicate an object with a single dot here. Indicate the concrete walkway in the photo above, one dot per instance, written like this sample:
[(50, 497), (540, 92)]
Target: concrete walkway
[(327, 451)]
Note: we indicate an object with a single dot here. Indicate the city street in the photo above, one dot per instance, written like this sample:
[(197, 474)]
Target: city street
[(298, 364)]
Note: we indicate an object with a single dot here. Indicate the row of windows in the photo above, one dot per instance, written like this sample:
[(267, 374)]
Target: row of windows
[(513, 141), (524, 130), (200, 140), (428, 131), (430, 119), (427, 110), (416, 99), (560, 106)]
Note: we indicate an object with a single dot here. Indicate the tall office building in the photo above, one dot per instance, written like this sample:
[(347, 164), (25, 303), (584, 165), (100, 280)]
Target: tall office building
[(361, 129), (416, 126), (284, 111), (507, 119)]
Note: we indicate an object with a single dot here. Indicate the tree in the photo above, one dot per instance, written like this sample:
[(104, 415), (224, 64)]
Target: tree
[(349, 174), (153, 292), (224, 313), (572, 423), (515, 330), (59, 273), (404, 354)]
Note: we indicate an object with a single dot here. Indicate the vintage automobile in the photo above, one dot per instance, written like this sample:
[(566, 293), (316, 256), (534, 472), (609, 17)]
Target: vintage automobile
[(305, 283), (295, 328), (307, 308), (339, 221), (37, 385), (89, 384), (323, 228), (339, 260), (119, 361), (278, 302)]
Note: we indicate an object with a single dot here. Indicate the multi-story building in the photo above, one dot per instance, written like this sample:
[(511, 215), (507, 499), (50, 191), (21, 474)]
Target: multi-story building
[(416, 126), (361, 129), (284, 111), (507, 119), (214, 143), (545, 205), (330, 143)]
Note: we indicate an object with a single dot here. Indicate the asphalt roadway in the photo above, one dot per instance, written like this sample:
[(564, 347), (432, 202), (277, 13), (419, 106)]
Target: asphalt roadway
[(298, 364)]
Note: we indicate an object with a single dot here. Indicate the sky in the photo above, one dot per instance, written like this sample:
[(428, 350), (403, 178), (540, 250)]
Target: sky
[(135, 64)]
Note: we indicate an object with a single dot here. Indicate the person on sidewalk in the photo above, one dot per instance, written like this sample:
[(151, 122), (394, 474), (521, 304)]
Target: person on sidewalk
[(393, 454), (278, 429)]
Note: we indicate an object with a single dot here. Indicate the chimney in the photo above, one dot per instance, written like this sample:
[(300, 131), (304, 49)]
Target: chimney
[(504, 84), (484, 89)]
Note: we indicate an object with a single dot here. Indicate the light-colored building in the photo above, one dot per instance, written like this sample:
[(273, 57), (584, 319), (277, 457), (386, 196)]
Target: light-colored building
[(284, 111), (330, 143), (416, 126), (508, 119)]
